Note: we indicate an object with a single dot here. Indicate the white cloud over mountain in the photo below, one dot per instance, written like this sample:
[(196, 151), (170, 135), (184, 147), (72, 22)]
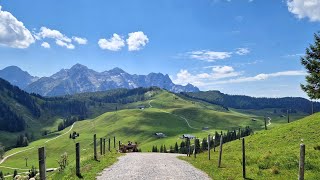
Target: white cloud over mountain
[(115, 43), (137, 40), (305, 9), (13, 33), (227, 75), (201, 79)]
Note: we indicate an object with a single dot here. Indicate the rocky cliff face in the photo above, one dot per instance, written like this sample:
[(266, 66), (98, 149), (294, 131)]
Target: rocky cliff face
[(79, 79)]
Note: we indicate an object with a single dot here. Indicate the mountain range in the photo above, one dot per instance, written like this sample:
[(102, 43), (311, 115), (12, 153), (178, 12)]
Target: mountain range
[(79, 79)]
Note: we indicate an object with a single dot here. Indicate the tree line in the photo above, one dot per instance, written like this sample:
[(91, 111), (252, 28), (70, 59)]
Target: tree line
[(247, 102), (203, 146)]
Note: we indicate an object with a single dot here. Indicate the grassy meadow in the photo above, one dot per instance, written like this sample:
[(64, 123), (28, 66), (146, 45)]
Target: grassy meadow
[(270, 154)]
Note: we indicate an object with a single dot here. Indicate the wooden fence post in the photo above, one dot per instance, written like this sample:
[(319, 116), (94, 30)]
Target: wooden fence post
[(114, 142), (189, 147), (265, 122), (119, 144), (78, 160), (220, 153), (301, 162), (288, 116), (239, 133), (109, 145), (195, 148), (209, 146), (42, 163), (243, 159), (214, 144), (104, 145), (101, 148), (95, 147)]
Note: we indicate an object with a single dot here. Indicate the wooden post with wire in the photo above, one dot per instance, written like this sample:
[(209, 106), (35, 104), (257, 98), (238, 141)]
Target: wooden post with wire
[(109, 145), (301, 161), (288, 116), (104, 145), (101, 148), (265, 122), (78, 160), (195, 147), (114, 142), (209, 146), (243, 159), (42, 163), (95, 147), (220, 153)]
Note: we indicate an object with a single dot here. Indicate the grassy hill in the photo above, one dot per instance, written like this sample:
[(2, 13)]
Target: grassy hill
[(271, 154), (164, 112), (33, 116)]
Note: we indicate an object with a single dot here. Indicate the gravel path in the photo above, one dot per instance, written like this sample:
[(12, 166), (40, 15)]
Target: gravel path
[(152, 166)]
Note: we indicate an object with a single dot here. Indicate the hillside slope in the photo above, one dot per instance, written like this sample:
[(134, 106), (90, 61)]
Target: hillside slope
[(137, 125), (271, 154)]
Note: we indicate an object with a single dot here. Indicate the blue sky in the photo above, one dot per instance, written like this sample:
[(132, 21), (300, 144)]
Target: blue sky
[(249, 47)]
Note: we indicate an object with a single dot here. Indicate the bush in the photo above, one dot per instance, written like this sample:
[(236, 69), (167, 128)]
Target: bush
[(63, 161), (32, 172)]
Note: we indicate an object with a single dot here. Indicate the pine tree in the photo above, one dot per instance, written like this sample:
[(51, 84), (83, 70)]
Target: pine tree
[(164, 149), (176, 148), (311, 61), (161, 148), (1, 175), (204, 145)]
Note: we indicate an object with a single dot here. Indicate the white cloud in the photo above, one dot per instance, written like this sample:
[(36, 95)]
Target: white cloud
[(136, 40), (305, 9), (64, 44), (115, 43), (242, 51), (225, 75), (80, 40), (217, 72), (13, 33), (45, 45), (261, 77), (209, 56), (53, 34), (293, 55), (60, 39)]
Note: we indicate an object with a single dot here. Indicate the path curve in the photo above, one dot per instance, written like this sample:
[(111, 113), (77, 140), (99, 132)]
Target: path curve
[(185, 119), (269, 121), (145, 166), (5, 158)]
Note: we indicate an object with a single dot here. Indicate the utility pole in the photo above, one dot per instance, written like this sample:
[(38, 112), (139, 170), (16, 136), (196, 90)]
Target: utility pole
[(288, 116)]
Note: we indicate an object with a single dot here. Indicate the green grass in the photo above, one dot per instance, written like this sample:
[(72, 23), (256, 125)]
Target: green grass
[(89, 167), (271, 154), (136, 125)]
